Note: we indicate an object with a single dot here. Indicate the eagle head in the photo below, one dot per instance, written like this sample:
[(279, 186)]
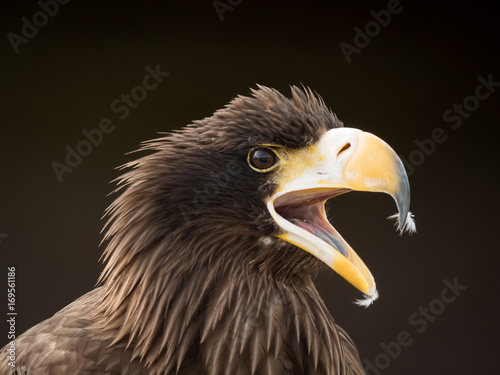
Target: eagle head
[(248, 185)]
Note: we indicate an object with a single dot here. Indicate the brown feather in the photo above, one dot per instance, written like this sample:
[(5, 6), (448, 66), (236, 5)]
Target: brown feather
[(190, 287)]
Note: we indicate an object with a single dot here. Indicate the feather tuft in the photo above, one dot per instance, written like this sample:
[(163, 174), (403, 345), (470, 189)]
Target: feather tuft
[(367, 300), (409, 225)]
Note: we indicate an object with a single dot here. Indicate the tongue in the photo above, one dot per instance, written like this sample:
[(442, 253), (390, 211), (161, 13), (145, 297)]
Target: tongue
[(321, 233)]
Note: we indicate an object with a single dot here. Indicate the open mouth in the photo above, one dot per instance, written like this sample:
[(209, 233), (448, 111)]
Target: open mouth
[(301, 214), (306, 209), (343, 160)]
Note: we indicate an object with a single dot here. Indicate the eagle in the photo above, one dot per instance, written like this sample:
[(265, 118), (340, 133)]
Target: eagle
[(212, 245)]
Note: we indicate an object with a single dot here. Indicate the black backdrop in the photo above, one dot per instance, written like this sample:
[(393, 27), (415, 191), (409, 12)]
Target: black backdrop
[(399, 84)]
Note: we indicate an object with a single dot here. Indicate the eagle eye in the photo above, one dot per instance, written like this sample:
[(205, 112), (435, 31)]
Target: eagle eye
[(262, 159)]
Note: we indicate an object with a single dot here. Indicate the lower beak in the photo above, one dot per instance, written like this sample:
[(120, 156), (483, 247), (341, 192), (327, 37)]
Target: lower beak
[(344, 159)]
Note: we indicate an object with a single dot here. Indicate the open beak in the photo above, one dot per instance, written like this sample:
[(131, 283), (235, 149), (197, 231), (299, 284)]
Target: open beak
[(344, 159)]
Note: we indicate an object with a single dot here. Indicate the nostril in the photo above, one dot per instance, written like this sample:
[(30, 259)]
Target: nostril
[(344, 148)]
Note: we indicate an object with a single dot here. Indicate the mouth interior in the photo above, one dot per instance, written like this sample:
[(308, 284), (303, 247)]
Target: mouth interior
[(306, 209)]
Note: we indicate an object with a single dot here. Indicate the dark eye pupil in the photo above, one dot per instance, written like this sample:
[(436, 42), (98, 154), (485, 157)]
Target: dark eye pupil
[(262, 158)]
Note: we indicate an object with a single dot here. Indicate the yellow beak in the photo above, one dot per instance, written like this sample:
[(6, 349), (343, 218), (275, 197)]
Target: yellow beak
[(344, 159)]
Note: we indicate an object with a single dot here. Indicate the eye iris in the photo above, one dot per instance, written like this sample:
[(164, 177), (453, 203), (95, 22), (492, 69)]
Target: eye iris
[(262, 158)]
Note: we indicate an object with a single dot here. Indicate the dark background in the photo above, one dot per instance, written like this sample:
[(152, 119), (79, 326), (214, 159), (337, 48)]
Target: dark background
[(398, 87)]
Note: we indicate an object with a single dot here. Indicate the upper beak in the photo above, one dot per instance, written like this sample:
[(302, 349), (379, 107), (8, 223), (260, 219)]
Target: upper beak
[(344, 159)]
